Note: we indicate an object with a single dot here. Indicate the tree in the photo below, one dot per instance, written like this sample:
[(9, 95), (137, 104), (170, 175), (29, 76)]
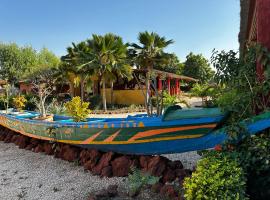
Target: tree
[(76, 66), (169, 62), (17, 63), (109, 56), (147, 54), (196, 66)]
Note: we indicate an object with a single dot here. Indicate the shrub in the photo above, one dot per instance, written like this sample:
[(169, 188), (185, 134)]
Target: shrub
[(253, 153), (138, 179), (19, 102), (31, 102), (218, 176), (77, 109), (57, 108), (95, 102)]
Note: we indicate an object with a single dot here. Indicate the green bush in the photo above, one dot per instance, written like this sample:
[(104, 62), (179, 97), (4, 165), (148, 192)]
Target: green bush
[(138, 179), (77, 109), (30, 103), (95, 102), (218, 176), (254, 156), (57, 108)]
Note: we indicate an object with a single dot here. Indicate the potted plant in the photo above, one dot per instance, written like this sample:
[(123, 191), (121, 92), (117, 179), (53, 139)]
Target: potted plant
[(77, 109)]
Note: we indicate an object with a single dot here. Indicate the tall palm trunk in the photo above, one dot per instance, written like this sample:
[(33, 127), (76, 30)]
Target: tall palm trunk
[(104, 94), (147, 90), (82, 88), (112, 92)]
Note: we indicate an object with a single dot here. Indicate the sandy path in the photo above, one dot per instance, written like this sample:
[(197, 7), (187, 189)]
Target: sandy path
[(34, 176)]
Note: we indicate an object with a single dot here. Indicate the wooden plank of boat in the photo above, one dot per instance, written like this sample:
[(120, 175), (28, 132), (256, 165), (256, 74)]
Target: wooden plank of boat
[(133, 135)]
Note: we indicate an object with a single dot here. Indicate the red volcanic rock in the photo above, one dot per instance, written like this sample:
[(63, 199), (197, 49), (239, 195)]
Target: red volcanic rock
[(48, 148), (144, 160), (22, 141), (168, 191), (14, 138), (29, 147), (89, 154), (157, 187), (39, 148), (168, 176), (2, 136), (90, 158), (180, 173), (103, 162), (157, 165), (175, 164), (106, 172), (70, 153), (121, 166), (8, 138), (35, 142)]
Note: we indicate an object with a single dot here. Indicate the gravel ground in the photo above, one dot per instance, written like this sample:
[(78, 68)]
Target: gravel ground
[(34, 176), (25, 175)]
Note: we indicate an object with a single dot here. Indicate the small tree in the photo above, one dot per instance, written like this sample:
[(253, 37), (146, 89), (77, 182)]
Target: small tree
[(43, 86), (77, 109), (19, 102)]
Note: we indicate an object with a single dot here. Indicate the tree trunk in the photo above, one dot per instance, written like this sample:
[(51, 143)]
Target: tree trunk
[(111, 92), (147, 91), (82, 89), (71, 89), (104, 94)]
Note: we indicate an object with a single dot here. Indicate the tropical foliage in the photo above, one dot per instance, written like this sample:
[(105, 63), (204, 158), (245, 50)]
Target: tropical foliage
[(19, 62), (77, 109), (217, 176), (196, 66), (19, 102)]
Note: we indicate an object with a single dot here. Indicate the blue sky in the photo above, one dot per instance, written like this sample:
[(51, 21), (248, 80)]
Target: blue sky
[(194, 25)]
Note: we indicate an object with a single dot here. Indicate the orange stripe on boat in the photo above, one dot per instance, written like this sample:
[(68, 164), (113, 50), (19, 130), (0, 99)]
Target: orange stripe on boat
[(167, 130), (111, 138), (89, 140)]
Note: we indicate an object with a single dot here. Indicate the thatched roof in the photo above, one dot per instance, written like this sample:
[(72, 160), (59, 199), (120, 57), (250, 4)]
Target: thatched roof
[(246, 14)]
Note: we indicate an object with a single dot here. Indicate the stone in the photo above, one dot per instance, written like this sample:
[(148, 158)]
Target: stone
[(103, 162), (168, 191), (48, 148), (92, 156), (168, 176), (177, 164), (121, 166), (144, 160), (180, 173), (8, 138), (29, 147), (39, 148), (14, 138), (22, 141), (156, 187), (106, 172), (70, 153), (112, 190), (157, 165)]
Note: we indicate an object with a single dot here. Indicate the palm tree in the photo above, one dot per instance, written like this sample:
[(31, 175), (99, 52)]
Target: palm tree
[(77, 64), (148, 53), (109, 52)]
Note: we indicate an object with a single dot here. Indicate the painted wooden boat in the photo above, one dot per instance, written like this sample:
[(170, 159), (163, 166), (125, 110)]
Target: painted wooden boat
[(175, 132), (170, 133)]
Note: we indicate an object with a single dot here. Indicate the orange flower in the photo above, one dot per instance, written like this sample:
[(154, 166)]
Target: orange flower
[(218, 147)]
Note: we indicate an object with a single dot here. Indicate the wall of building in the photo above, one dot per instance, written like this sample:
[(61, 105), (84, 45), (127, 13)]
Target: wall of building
[(125, 97)]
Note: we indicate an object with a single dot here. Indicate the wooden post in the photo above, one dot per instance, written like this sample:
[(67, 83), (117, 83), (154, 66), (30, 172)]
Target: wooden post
[(177, 86), (169, 85), (159, 84)]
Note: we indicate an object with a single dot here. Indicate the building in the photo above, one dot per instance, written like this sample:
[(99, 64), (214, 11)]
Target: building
[(255, 26), (130, 92)]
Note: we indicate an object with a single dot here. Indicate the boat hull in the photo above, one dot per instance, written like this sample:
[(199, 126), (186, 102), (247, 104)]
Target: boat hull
[(144, 136)]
